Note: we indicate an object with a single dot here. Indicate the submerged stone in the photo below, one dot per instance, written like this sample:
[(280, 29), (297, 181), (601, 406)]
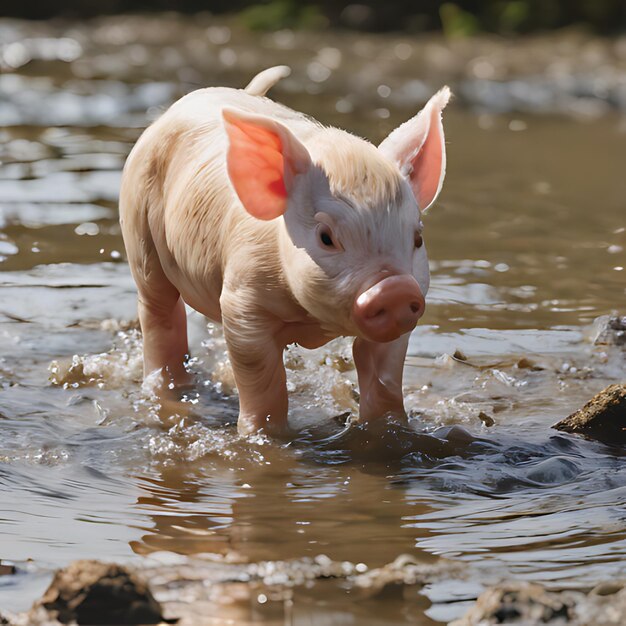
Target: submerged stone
[(609, 330), (517, 603), (524, 603), (602, 418), (90, 592), (486, 419)]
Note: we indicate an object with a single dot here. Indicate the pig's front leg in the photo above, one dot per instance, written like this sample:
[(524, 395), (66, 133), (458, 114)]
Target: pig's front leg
[(379, 368), (256, 357)]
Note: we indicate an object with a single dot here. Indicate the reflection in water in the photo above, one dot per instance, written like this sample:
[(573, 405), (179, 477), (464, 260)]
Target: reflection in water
[(395, 489), (189, 514), (527, 244)]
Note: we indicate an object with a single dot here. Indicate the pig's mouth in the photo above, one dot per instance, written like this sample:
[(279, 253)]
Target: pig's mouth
[(388, 309)]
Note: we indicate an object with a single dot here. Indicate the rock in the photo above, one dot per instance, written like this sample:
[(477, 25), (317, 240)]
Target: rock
[(90, 592), (6, 570), (459, 355), (517, 603), (527, 364), (486, 419), (526, 604), (609, 330), (602, 418)]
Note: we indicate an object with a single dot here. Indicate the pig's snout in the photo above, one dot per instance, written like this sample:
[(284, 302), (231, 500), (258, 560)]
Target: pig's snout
[(389, 309)]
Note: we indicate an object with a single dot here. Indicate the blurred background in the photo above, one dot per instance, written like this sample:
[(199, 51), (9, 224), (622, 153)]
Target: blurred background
[(539, 56), (464, 17)]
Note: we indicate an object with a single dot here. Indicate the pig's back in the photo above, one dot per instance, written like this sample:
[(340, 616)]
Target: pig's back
[(178, 179), (206, 104)]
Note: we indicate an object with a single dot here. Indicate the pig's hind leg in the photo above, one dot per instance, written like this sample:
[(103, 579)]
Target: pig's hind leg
[(164, 327), (161, 315), (379, 369)]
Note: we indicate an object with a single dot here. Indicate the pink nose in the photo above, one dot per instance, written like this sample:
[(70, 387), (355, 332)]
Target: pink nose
[(389, 309)]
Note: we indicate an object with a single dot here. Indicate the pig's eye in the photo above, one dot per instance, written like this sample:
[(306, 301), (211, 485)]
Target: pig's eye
[(325, 236), (419, 242)]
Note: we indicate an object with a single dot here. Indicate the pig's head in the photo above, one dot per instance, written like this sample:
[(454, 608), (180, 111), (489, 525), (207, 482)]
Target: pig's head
[(349, 214)]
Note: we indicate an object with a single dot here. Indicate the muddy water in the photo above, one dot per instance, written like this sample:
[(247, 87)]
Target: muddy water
[(527, 246)]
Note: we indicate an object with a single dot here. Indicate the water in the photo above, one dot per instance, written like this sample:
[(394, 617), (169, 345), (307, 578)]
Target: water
[(527, 246)]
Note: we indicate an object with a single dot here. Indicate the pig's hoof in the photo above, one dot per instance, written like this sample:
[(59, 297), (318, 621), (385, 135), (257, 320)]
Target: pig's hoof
[(391, 418), (278, 429)]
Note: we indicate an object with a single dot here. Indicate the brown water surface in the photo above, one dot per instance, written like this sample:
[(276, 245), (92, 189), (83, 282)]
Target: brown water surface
[(527, 246)]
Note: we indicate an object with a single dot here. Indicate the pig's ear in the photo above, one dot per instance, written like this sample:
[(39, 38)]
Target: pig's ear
[(263, 159), (418, 147)]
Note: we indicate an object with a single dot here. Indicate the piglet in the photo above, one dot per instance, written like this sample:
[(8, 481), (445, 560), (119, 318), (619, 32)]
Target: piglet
[(285, 231)]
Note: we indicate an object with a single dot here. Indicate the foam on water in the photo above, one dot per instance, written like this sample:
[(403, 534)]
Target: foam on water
[(113, 369)]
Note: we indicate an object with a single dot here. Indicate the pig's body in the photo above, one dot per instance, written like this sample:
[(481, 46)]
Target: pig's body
[(177, 194), (191, 237)]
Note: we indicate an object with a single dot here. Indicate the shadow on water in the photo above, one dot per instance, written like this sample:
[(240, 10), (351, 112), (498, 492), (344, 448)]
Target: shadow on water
[(389, 442)]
